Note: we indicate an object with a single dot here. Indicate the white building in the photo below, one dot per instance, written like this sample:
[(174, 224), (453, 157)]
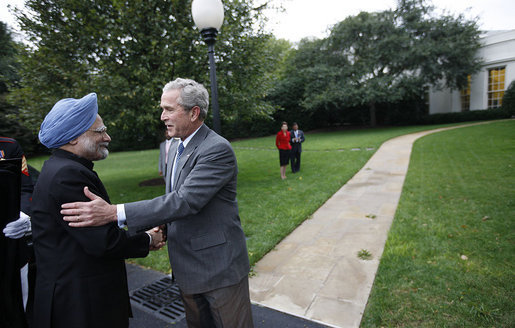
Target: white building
[(486, 87)]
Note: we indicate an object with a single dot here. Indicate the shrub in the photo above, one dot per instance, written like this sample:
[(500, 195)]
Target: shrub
[(475, 115), (508, 100)]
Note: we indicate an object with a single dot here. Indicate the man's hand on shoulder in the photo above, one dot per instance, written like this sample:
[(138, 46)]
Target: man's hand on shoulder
[(97, 212)]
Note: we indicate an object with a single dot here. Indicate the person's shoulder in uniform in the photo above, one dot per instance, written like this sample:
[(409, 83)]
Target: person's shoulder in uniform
[(9, 140), (9, 148)]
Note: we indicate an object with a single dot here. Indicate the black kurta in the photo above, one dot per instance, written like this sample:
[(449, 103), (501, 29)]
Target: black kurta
[(81, 278)]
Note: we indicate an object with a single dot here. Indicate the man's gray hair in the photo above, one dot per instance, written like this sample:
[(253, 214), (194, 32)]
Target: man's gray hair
[(192, 94)]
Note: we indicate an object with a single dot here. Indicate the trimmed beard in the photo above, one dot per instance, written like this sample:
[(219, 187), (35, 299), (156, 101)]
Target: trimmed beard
[(94, 151)]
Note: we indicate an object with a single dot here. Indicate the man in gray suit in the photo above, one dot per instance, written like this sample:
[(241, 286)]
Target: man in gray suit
[(206, 244)]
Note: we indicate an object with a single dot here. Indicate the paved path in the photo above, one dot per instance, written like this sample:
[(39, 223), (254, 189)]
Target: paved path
[(315, 273)]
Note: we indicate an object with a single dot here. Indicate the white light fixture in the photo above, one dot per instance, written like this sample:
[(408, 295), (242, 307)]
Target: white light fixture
[(207, 14)]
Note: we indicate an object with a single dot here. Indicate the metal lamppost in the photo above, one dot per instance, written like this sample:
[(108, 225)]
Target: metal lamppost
[(208, 15)]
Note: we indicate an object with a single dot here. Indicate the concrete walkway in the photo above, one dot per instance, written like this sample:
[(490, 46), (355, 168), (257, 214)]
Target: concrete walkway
[(315, 272)]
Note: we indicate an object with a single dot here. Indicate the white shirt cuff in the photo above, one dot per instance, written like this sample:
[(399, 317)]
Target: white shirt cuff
[(120, 213)]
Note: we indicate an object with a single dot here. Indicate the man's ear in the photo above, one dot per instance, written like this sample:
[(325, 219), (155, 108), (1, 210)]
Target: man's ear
[(74, 142), (194, 113)]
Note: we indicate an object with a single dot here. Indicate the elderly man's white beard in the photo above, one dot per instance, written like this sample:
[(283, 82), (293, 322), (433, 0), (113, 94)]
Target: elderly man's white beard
[(95, 152)]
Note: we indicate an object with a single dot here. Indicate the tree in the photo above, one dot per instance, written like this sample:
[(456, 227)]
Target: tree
[(508, 100), (9, 80), (296, 82), (391, 56), (126, 51), (253, 92), (8, 64)]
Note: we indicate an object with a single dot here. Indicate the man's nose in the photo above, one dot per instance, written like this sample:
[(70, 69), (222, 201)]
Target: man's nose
[(107, 138), (163, 115)]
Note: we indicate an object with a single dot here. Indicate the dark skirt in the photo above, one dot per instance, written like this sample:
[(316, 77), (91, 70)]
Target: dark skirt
[(284, 157)]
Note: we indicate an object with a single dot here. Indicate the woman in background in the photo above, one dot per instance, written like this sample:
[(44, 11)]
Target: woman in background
[(282, 141)]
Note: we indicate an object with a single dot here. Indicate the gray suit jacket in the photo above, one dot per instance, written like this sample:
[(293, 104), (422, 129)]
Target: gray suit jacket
[(206, 244)]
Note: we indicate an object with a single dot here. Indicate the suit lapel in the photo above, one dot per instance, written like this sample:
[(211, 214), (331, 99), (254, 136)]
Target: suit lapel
[(162, 154), (189, 150), (171, 158)]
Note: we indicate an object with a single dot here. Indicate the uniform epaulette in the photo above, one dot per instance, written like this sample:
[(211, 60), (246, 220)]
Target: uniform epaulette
[(9, 140)]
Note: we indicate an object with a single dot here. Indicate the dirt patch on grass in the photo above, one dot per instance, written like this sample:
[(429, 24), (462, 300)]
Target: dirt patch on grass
[(152, 182)]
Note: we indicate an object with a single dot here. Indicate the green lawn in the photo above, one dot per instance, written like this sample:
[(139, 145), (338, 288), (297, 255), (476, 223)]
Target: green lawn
[(269, 207), (450, 254)]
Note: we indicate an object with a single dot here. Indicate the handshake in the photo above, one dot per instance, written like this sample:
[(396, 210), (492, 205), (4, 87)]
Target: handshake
[(157, 237)]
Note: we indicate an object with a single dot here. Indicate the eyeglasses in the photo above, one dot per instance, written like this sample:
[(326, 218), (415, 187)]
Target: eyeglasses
[(100, 130)]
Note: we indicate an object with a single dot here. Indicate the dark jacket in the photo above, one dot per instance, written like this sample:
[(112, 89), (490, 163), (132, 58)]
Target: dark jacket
[(81, 278), (296, 146)]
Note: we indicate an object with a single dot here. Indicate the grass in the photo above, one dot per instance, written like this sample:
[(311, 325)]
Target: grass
[(269, 207), (450, 254)]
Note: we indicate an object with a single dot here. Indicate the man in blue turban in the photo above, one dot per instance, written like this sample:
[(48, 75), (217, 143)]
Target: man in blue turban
[(77, 268), (68, 119)]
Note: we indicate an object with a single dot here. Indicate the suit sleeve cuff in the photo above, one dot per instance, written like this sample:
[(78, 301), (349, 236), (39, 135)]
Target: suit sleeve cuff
[(120, 213), (150, 238)]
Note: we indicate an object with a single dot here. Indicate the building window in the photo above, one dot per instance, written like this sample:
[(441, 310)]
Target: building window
[(465, 96), (495, 86)]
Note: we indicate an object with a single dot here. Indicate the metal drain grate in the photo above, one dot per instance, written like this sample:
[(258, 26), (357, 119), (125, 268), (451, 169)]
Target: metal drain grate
[(162, 299)]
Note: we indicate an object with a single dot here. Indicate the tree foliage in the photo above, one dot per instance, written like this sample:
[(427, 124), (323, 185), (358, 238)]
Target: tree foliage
[(125, 51), (384, 57), (9, 80), (8, 64)]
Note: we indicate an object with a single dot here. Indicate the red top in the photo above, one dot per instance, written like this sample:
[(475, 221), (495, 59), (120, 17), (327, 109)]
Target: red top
[(283, 141)]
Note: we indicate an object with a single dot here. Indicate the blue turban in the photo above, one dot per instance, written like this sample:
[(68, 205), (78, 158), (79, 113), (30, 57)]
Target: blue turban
[(68, 119)]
